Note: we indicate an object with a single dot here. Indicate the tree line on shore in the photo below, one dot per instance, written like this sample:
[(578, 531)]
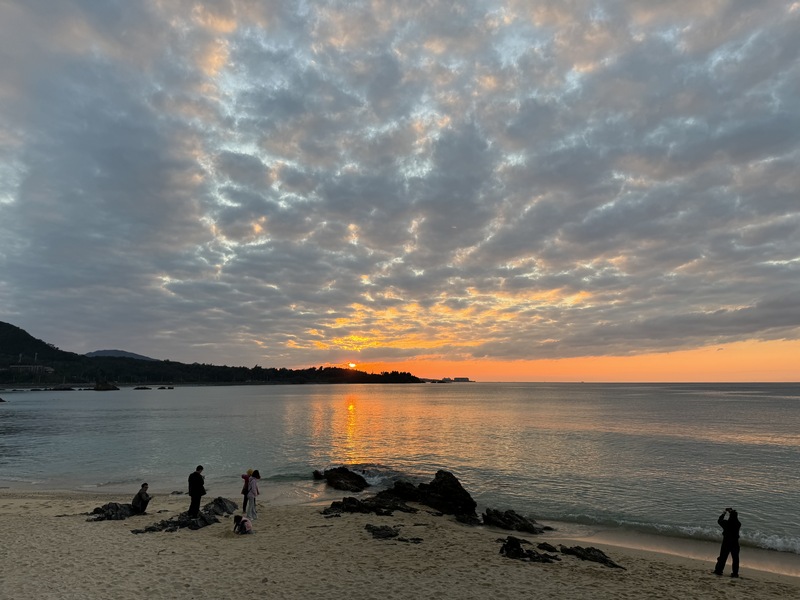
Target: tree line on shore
[(25, 360)]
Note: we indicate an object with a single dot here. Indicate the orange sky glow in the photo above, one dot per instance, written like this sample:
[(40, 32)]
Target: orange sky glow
[(744, 361)]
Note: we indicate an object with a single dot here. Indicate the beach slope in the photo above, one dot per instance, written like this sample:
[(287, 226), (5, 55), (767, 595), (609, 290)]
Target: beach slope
[(49, 550)]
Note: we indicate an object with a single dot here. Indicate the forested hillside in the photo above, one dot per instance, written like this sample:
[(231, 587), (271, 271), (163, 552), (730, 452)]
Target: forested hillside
[(26, 360)]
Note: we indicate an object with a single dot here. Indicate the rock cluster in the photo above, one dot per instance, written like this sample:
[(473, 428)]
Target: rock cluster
[(444, 494), (512, 548), (510, 520), (114, 511), (208, 516), (591, 554), (383, 507)]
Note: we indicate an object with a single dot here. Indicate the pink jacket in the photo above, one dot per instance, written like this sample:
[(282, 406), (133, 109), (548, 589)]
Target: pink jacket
[(252, 488)]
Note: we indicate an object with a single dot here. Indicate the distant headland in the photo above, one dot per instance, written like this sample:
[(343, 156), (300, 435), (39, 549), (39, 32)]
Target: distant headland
[(28, 361)]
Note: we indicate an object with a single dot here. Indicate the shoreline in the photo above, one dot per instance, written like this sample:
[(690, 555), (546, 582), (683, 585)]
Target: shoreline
[(298, 553)]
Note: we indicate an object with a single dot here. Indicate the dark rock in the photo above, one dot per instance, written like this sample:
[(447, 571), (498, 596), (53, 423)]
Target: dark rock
[(141, 387), (547, 547), (591, 554), (176, 493), (318, 475), (511, 520), (344, 479), (221, 506), (512, 548), (444, 494), (383, 507), (207, 516), (403, 490), (113, 511), (471, 520), (104, 386), (385, 532), (1, 400), (382, 532)]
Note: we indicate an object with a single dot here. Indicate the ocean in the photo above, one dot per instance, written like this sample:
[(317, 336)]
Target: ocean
[(648, 459)]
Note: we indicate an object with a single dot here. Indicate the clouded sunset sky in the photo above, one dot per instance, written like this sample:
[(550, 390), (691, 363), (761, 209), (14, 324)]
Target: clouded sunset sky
[(522, 190)]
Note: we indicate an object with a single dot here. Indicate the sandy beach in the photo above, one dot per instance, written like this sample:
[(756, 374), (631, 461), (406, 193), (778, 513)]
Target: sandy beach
[(49, 550)]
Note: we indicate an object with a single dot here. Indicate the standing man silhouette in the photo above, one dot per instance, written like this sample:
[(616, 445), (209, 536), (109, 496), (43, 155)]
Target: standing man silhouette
[(197, 490), (729, 521)]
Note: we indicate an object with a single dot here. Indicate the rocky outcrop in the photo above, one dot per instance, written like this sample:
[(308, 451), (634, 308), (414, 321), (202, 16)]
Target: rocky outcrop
[(208, 516), (445, 494), (510, 520), (342, 478), (221, 506), (182, 521), (512, 548), (113, 511), (591, 554), (383, 507), (382, 532)]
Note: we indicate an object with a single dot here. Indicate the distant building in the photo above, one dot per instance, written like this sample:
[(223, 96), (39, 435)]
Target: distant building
[(461, 379)]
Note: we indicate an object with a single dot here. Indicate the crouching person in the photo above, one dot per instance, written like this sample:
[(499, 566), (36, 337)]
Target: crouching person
[(242, 525), (141, 500)]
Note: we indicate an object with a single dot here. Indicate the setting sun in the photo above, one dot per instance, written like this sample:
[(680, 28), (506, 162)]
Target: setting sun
[(352, 365)]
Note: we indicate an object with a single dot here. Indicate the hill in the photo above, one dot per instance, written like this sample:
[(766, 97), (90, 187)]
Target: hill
[(118, 353), (26, 360)]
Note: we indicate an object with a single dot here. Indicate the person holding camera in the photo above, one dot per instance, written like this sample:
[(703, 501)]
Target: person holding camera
[(729, 521)]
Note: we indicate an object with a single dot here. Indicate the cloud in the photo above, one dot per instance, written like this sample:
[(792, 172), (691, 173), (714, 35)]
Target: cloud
[(245, 182)]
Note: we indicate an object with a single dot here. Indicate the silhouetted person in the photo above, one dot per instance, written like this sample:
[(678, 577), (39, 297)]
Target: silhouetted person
[(729, 521), (245, 487), (141, 500), (197, 490)]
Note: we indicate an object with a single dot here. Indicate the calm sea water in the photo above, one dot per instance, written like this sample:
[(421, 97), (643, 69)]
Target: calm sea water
[(662, 459)]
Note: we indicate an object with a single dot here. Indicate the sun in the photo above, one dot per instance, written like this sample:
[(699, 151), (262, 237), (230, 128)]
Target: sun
[(352, 365)]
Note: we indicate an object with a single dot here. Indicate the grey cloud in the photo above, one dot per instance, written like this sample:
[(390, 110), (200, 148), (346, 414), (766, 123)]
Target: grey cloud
[(237, 181)]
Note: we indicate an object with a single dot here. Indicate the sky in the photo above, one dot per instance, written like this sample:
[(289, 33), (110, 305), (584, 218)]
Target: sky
[(508, 191)]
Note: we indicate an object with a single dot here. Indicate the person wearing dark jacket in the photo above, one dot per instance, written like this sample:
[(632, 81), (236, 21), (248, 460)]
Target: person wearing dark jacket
[(141, 500), (197, 490), (245, 488), (729, 521)]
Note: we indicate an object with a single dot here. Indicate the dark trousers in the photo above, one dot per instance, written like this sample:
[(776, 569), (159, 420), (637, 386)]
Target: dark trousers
[(139, 510), (244, 503), (194, 507), (732, 548)]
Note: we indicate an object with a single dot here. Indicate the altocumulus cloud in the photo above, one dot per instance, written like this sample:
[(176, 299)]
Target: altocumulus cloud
[(289, 183)]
